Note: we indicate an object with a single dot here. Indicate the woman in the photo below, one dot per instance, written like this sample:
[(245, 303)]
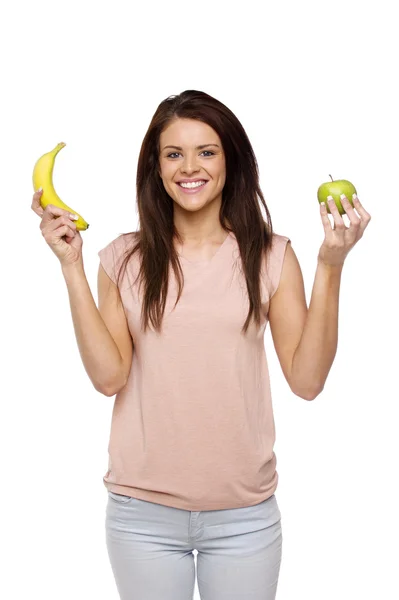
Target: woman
[(179, 338)]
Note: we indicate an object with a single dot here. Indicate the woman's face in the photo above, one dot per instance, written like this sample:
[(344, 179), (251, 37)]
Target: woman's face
[(197, 154)]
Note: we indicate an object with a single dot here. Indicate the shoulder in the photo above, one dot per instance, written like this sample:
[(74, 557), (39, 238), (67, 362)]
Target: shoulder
[(279, 243), (286, 274), (276, 251), (273, 261), (113, 254), (118, 248), (123, 241)]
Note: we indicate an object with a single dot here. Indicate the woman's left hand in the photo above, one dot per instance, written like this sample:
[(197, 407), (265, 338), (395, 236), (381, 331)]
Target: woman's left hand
[(340, 240)]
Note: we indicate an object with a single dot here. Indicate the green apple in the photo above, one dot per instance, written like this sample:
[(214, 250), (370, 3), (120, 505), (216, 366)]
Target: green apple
[(335, 189)]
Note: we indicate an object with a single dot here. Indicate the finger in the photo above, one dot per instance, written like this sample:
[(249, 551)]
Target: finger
[(69, 233), (63, 231), (324, 218), (58, 222), (36, 206), (51, 212), (338, 221), (365, 216), (353, 218), (52, 235), (69, 236)]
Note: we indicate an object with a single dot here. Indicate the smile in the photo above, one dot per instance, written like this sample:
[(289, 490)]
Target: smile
[(192, 188), (194, 184)]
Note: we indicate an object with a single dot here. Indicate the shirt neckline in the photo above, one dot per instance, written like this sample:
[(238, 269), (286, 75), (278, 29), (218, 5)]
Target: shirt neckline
[(208, 261)]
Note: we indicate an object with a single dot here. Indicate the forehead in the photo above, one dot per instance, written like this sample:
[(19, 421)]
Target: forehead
[(188, 132)]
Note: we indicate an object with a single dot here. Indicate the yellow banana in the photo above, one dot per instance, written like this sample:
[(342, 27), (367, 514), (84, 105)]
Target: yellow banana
[(43, 178)]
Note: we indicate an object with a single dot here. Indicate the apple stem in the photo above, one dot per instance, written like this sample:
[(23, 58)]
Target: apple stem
[(331, 178)]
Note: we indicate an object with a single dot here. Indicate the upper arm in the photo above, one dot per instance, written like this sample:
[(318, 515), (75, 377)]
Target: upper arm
[(111, 309), (287, 312)]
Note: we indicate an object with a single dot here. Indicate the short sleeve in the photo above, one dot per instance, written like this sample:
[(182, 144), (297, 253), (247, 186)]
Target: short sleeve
[(111, 257), (274, 265)]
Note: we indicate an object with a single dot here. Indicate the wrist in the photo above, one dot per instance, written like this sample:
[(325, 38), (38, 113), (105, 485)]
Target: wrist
[(75, 267), (330, 267)]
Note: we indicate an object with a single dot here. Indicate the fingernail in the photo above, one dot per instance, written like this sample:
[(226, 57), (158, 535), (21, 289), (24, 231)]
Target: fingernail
[(40, 190), (73, 217), (342, 196), (354, 197), (330, 198)]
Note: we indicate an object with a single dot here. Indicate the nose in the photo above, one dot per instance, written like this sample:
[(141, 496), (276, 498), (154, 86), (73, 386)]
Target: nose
[(189, 164)]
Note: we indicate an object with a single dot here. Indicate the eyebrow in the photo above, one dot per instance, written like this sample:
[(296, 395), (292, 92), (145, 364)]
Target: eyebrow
[(197, 148)]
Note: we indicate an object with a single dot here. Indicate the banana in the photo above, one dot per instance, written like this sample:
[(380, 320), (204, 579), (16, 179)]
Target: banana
[(43, 178)]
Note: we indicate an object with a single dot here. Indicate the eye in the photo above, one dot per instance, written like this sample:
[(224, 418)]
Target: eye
[(172, 153)]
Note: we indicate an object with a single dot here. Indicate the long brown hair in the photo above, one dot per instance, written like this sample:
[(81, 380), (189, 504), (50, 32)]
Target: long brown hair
[(240, 210)]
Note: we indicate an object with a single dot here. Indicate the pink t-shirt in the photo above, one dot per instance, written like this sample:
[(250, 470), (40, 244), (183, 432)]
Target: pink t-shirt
[(193, 428)]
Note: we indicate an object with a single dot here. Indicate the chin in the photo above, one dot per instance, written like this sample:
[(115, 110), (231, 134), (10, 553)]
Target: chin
[(191, 208), (192, 203), (194, 207)]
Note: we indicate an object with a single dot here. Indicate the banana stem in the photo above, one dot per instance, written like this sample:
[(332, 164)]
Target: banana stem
[(58, 148)]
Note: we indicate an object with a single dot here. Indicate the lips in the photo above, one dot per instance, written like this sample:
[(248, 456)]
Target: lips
[(198, 184), (194, 189), (191, 180)]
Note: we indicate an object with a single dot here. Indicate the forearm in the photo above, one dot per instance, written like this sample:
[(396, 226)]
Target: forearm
[(98, 350), (316, 350)]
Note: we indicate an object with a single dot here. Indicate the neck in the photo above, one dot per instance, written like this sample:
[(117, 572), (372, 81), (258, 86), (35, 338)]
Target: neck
[(201, 226)]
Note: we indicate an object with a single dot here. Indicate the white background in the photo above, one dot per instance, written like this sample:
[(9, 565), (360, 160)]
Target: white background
[(315, 87)]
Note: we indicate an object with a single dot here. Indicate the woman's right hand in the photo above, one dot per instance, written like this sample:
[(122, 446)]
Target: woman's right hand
[(59, 231)]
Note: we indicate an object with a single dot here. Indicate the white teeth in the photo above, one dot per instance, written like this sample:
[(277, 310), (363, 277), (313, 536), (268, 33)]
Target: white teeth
[(193, 185)]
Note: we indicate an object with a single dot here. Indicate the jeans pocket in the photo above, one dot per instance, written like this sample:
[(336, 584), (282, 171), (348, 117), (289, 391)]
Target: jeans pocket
[(119, 498)]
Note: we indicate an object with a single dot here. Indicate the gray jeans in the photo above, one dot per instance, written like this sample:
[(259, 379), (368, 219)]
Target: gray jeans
[(150, 547)]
